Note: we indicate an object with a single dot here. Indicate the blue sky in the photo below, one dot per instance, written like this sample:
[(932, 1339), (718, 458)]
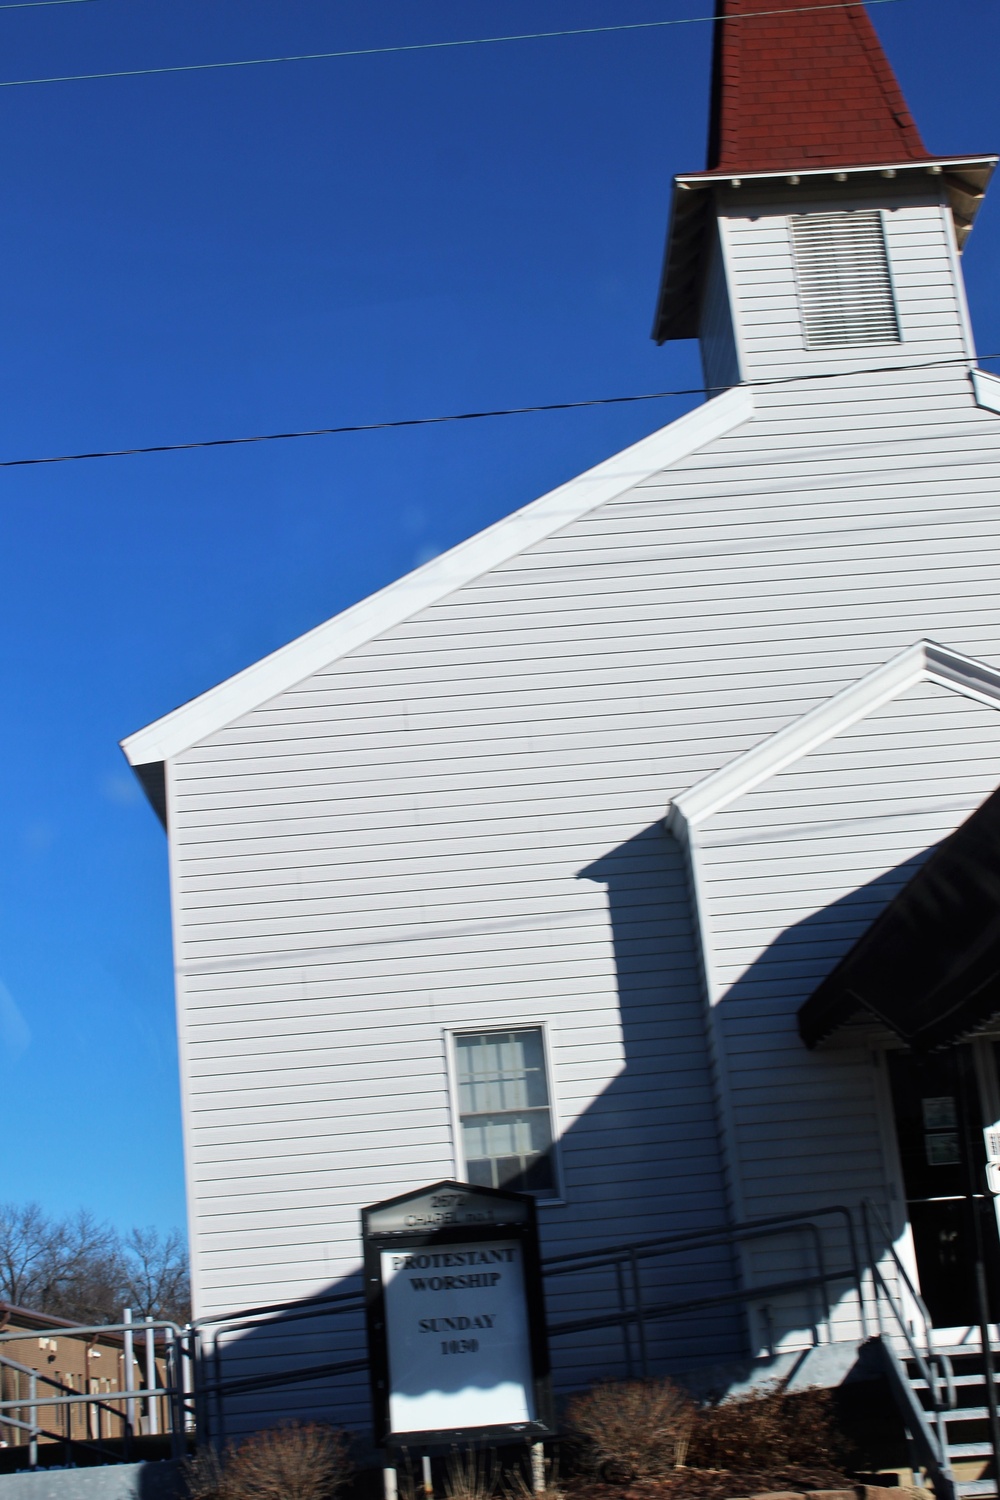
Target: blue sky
[(271, 248)]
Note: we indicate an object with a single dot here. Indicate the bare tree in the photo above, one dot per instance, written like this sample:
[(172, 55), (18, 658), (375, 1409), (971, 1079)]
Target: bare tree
[(80, 1269), (27, 1245), (157, 1284)]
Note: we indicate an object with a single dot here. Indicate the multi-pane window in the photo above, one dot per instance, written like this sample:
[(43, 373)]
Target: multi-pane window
[(503, 1106), (844, 281)]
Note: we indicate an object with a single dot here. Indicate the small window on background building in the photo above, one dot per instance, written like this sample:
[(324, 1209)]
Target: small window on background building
[(844, 282), (503, 1106)]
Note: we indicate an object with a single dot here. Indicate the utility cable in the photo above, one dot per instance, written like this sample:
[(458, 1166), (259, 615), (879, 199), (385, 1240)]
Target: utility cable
[(472, 416), (474, 41), (35, 4)]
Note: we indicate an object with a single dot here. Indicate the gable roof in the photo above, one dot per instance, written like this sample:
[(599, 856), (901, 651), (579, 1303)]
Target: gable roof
[(929, 966), (205, 715), (926, 661)]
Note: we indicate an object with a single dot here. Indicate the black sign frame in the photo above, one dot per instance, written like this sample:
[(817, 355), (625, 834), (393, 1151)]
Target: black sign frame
[(512, 1216)]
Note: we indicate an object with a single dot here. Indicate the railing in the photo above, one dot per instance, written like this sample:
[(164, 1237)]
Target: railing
[(208, 1335), (892, 1322), (934, 1365), (195, 1387), (161, 1406), (635, 1313)]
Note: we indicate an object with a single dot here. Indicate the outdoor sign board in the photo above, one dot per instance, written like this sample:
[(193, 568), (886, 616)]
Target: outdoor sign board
[(456, 1318)]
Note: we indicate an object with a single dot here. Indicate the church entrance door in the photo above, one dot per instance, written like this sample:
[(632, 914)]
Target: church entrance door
[(940, 1113)]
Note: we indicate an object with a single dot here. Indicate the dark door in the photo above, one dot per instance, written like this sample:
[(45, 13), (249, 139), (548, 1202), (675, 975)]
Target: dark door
[(939, 1126)]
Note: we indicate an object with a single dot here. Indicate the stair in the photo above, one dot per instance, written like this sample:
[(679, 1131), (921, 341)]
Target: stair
[(966, 1427)]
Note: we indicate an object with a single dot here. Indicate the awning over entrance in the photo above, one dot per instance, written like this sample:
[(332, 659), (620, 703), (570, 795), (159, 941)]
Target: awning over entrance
[(929, 966)]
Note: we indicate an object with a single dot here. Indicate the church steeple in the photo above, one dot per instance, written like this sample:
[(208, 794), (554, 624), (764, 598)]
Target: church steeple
[(807, 118), (800, 88)]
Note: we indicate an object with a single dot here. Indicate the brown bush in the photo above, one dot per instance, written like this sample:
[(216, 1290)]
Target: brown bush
[(635, 1429), (202, 1474), (765, 1428), (472, 1475), (292, 1462)]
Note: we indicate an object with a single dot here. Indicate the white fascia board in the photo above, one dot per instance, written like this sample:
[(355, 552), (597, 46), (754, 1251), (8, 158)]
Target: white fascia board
[(926, 661), (987, 389), (934, 167), (318, 648), (962, 674)]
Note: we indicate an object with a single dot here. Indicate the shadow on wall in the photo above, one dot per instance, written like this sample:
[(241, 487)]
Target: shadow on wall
[(643, 1160)]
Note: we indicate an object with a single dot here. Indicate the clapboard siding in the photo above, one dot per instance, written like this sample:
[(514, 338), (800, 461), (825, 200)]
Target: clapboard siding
[(763, 280), (459, 825), (783, 1100), (719, 356)]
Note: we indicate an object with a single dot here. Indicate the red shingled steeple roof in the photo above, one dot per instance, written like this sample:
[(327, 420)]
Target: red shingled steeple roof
[(802, 93), (804, 88)]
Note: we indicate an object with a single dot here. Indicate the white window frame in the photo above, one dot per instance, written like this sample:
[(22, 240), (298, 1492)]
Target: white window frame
[(451, 1034)]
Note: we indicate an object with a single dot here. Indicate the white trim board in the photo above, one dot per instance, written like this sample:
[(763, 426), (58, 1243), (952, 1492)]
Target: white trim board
[(318, 648), (926, 661), (987, 389)]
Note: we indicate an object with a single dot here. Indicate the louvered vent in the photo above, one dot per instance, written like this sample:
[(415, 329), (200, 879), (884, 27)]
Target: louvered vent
[(844, 279)]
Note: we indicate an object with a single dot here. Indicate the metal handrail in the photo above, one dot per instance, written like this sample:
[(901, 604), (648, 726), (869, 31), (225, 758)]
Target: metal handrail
[(201, 1346), (208, 1333), (934, 1365), (693, 1238), (92, 1400), (71, 1331), (658, 1312), (172, 1351), (933, 1359), (252, 1313), (632, 1316), (616, 1257)]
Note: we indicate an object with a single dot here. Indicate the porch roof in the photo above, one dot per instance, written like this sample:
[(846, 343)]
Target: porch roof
[(929, 966)]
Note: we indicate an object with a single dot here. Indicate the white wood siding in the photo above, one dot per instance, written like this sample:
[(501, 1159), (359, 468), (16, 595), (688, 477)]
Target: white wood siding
[(929, 302), (458, 825), (791, 875), (719, 356)]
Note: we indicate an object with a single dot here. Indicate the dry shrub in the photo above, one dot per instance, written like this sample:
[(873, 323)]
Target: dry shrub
[(517, 1484), (765, 1428), (202, 1473), (477, 1475), (635, 1429), (472, 1475), (292, 1462)]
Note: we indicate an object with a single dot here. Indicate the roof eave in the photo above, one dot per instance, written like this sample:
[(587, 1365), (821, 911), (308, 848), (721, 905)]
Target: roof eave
[(147, 749), (965, 180)]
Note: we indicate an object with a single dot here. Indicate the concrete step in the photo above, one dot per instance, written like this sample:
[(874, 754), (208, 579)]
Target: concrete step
[(969, 1450), (985, 1487)]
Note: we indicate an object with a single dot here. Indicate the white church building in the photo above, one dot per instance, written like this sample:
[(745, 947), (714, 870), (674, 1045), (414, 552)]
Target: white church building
[(638, 852)]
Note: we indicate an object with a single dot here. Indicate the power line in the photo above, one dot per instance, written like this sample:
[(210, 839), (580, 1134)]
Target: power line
[(475, 41), (34, 4), (464, 416)]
